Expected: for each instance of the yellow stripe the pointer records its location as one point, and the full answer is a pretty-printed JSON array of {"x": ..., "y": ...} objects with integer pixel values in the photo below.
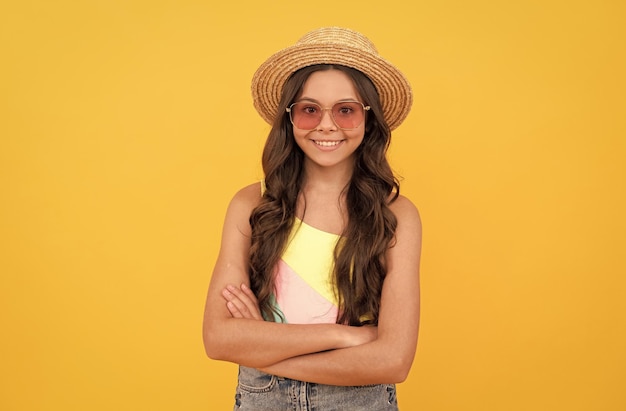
[{"x": 310, "y": 254}]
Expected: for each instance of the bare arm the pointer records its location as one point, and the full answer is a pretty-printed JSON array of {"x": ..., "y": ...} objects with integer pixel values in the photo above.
[
  {"x": 388, "y": 358},
  {"x": 247, "y": 341}
]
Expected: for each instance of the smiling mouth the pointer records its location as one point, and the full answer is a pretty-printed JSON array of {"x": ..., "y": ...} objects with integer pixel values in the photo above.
[{"x": 327, "y": 143}]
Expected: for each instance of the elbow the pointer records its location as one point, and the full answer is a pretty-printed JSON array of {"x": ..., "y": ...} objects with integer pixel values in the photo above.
[
  {"x": 211, "y": 350},
  {"x": 398, "y": 360},
  {"x": 219, "y": 349},
  {"x": 400, "y": 374},
  {"x": 398, "y": 369},
  {"x": 218, "y": 346},
  {"x": 212, "y": 346},
  {"x": 215, "y": 351}
]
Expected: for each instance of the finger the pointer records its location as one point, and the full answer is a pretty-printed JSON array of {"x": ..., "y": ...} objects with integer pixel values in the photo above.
[
  {"x": 254, "y": 303},
  {"x": 232, "y": 308},
  {"x": 247, "y": 291},
  {"x": 250, "y": 307},
  {"x": 235, "y": 305}
]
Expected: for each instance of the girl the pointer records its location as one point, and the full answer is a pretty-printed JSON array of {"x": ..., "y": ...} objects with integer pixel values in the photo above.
[{"x": 315, "y": 292}]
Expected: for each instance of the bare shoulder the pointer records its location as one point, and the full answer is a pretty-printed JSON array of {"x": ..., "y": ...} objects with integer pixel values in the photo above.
[
  {"x": 406, "y": 213},
  {"x": 246, "y": 199},
  {"x": 404, "y": 255},
  {"x": 240, "y": 208}
]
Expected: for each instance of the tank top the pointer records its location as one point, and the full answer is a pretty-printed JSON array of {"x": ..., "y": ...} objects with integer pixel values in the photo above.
[
  {"x": 303, "y": 288},
  {"x": 303, "y": 291}
]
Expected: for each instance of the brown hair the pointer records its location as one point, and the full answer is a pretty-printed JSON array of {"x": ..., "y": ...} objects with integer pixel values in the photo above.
[{"x": 360, "y": 266}]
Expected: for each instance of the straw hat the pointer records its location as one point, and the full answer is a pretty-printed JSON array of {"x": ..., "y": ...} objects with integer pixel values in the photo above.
[{"x": 332, "y": 45}]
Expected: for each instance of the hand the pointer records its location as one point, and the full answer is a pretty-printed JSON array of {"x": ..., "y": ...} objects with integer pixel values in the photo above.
[{"x": 241, "y": 302}]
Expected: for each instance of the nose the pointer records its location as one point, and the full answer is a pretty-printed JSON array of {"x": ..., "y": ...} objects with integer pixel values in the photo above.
[{"x": 327, "y": 122}]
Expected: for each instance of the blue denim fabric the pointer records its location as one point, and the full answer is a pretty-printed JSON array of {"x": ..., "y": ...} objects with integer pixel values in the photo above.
[{"x": 259, "y": 391}]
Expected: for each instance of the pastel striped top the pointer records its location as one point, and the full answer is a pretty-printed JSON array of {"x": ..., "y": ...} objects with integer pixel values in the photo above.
[{"x": 303, "y": 288}]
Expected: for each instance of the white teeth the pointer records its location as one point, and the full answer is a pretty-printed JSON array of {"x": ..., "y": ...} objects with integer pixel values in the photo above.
[{"x": 327, "y": 143}]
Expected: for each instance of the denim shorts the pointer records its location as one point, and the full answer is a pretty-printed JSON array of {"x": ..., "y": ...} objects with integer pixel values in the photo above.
[{"x": 259, "y": 391}]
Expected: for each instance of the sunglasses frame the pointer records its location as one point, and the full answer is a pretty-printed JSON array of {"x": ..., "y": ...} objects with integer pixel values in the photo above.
[{"x": 330, "y": 110}]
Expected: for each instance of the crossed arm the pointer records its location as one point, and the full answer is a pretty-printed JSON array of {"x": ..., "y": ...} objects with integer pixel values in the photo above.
[{"x": 323, "y": 353}]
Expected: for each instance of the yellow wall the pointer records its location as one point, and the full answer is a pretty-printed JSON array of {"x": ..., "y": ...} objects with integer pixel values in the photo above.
[{"x": 126, "y": 126}]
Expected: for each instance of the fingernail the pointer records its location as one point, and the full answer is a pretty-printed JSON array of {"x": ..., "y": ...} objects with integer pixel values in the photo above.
[
  {"x": 230, "y": 287},
  {"x": 244, "y": 287}
]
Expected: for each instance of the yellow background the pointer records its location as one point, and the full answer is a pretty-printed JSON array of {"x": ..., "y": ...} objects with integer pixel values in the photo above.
[{"x": 126, "y": 127}]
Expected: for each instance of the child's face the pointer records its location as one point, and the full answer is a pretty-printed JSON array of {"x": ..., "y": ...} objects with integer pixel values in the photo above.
[{"x": 328, "y": 145}]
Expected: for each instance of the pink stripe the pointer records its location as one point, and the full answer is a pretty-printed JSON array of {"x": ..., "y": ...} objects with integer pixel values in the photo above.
[{"x": 300, "y": 303}]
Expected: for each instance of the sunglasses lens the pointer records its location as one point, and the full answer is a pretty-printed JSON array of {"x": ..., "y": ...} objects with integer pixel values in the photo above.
[
  {"x": 348, "y": 114},
  {"x": 307, "y": 115}
]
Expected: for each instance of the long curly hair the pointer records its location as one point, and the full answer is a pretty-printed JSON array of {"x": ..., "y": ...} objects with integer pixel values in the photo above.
[{"x": 359, "y": 258}]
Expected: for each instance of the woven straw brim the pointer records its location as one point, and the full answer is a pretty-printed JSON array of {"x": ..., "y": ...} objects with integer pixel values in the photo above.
[{"x": 393, "y": 88}]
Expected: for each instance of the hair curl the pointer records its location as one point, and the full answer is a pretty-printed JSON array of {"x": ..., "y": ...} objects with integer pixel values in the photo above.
[{"x": 360, "y": 265}]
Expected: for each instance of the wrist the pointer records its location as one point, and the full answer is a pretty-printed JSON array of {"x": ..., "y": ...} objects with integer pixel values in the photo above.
[{"x": 346, "y": 337}]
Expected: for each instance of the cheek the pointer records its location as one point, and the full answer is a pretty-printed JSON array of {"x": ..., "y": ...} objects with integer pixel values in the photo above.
[
  {"x": 357, "y": 136},
  {"x": 298, "y": 136}
]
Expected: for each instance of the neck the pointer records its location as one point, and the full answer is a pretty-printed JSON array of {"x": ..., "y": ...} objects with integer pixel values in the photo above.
[{"x": 327, "y": 178}]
